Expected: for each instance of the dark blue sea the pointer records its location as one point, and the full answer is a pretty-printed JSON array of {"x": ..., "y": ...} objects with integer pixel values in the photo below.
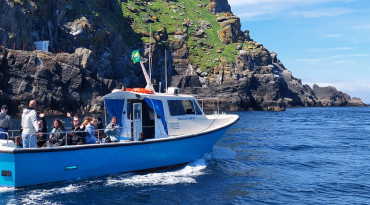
[{"x": 300, "y": 156}]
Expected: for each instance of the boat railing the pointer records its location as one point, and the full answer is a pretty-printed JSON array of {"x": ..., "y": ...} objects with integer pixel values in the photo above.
[
  {"x": 215, "y": 112},
  {"x": 64, "y": 132},
  {"x": 7, "y": 138}
]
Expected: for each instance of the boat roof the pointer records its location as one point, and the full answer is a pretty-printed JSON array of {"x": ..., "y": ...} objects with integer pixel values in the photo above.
[{"x": 133, "y": 95}]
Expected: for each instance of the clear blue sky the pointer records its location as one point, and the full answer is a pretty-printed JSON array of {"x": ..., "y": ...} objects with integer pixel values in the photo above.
[{"x": 326, "y": 42}]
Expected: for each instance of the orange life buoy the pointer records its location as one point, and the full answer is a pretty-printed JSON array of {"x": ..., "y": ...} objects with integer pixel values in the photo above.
[{"x": 140, "y": 90}]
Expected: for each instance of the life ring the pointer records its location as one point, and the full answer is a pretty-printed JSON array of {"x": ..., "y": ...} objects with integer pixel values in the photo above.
[{"x": 140, "y": 90}]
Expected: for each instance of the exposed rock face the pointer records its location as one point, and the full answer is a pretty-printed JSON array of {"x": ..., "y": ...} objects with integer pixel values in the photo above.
[
  {"x": 230, "y": 32},
  {"x": 218, "y": 6},
  {"x": 58, "y": 82},
  {"x": 330, "y": 96},
  {"x": 355, "y": 102}
]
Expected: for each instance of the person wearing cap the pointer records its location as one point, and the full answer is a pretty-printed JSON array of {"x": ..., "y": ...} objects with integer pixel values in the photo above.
[
  {"x": 6, "y": 121},
  {"x": 29, "y": 125}
]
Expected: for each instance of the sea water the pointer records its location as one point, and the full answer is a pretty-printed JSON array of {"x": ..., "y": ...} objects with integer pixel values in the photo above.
[{"x": 300, "y": 156}]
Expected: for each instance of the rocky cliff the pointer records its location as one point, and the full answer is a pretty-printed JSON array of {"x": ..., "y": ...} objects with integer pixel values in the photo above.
[{"x": 90, "y": 43}]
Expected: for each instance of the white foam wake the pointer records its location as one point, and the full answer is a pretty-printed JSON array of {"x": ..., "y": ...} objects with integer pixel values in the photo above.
[
  {"x": 38, "y": 196},
  {"x": 6, "y": 189},
  {"x": 185, "y": 175}
]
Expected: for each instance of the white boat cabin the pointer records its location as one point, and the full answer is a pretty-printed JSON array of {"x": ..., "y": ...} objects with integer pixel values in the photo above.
[{"x": 157, "y": 115}]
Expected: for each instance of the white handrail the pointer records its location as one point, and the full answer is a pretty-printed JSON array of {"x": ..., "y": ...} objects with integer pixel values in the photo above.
[
  {"x": 64, "y": 132},
  {"x": 7, "y": 139}
]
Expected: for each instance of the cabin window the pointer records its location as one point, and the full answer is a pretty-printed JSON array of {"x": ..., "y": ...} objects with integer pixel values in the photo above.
[
  {"x": 198, "y": 111},
  {"x": 137, "y": 112},
  {"x": 128, "y": 110},
  {"x": 188, "y": 106},
  {"x": 181, "y": 107}
]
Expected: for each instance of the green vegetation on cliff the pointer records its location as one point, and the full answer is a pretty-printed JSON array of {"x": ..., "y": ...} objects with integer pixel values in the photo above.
[{"x": 182, "y": 18}]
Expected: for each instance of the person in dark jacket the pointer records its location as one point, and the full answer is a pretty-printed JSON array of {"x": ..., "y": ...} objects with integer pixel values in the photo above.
[
  {"x": 6, "y": 122},
  {"x": 99, "y": 124},
  {"x": 77, "y": 136},
  {"x": 57, "y": 135},
  {"x": 43, "y": 128}
]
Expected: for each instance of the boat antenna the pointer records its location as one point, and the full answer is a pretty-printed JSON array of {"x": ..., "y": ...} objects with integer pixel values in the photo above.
[
  {"x": 150, "y": 54},
  {"x": 165, "y": 67}
]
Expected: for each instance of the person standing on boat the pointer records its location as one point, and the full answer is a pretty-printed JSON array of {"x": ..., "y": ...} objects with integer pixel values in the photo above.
[
  {"x": 90, "y": 131},
  {"x": 6, "y": 121},
  {"x": 43, "y": 128},
  {"x": 112, "y": 131},
  {"x": 57, "y": 135},
  {"x": 29, "y": 125}
]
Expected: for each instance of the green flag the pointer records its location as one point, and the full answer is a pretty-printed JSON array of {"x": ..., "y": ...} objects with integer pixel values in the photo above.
[{"x": 135, "y": 57}]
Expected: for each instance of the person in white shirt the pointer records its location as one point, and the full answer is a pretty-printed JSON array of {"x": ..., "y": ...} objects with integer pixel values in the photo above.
[{"x": 29, "y": 125}]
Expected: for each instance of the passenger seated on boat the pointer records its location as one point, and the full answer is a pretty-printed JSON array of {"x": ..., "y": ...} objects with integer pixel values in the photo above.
[
  {"x": 41, "y": 139},
  {"x": 99, "y": 129},
  {"x": 77, "y": 136},
  {"x": 90, "y": 131},
  {"x": 57, "y": 135},
  {"x": 113, "y": 131},
  {"x": 99, "y": 124}
]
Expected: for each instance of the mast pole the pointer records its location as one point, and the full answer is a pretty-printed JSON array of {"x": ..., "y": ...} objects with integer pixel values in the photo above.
[
  {"x": 165, "y": 67},
  {"x": 150, "y": 54}
]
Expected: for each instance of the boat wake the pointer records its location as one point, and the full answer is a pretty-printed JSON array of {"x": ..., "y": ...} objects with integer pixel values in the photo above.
[
  {"x": 37, "y": 196},
  {"x": 184, "y": 175}
]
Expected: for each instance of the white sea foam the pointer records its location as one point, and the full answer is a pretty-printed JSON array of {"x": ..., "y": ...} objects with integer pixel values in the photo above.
[
  {"x": 38, "y": 196},
  {"x": 6, "y": 189},
  {"x": 185, "y": 175}
]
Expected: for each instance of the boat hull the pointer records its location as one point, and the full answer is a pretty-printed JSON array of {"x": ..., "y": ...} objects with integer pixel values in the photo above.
[{"x": 38, "y": 166}]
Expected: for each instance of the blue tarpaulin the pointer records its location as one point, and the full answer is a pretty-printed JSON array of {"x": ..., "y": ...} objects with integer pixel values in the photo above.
[
  {"x": 158, "y": 108},
  {"x": 115, "y": 108}
]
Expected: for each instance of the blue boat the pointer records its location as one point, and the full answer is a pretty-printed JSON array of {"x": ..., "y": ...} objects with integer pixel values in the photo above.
[{"x": 157, "y": 130}]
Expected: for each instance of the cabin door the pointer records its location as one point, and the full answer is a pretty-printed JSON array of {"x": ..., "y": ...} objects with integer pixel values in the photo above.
[{"x": 137, "y": 125}]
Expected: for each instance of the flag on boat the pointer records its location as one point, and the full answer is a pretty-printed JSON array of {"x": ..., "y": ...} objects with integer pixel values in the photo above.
[{"x": 135, "y": 57}]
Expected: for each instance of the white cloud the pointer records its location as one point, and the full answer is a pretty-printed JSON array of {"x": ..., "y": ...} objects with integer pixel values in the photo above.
[
  {"x": 333, "y": 36},
  {"x": 268, "y": 9},
  {"x": 328, "y": 49},
  {"x": 363, "y": 27},
  {"x": 310, "y": 60},
  {"x": 338, "y": 62},
  {"x": 327, "y": 12},
  {"x": 351, "y": 55}
]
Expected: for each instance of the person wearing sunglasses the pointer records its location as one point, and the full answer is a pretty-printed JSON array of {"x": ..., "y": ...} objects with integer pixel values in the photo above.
[
  {"x": 77, "y": 135},
  {"x": 6, "y": 121}
]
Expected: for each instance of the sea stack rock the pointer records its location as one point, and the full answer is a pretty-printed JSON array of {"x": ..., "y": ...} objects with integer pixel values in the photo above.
[{"x": 330, "y": 96}]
